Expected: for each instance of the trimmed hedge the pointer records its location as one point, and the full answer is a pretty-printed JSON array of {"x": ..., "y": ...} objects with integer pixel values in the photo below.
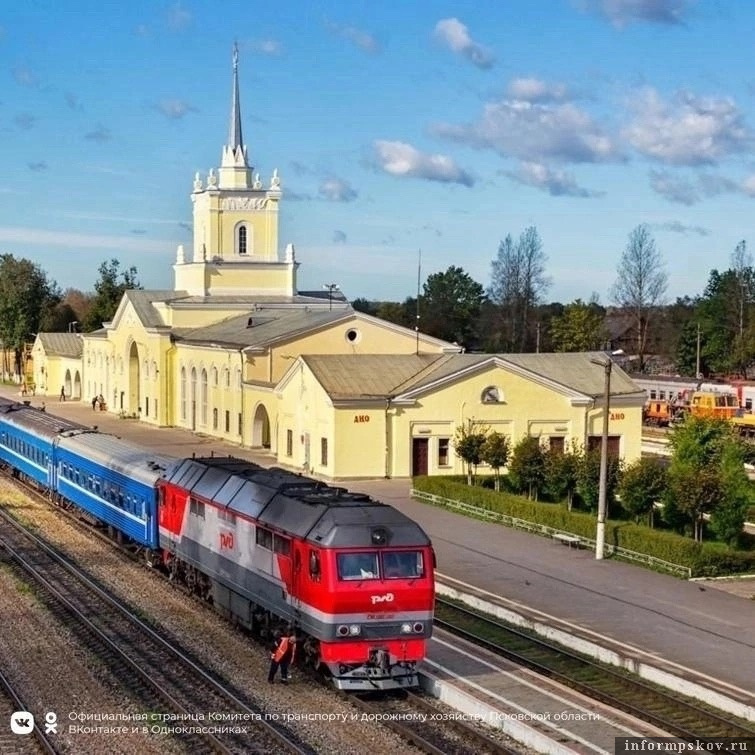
[{"x": 704, "y": 559}]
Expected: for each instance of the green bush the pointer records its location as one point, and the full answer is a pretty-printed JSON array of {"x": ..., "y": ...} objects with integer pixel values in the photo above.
[{"x": 704, "y": 559}]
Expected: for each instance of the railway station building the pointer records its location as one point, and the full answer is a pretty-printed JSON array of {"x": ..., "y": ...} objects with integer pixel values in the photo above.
[{"x": 236, "y": 351}]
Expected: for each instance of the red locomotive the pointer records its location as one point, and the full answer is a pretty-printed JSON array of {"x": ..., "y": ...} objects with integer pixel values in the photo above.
[{"x": 354, "y": 576}]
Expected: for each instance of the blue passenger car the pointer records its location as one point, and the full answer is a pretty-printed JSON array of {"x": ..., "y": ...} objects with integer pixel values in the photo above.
[
  {"x": 27, "y": 440},
  {"x": 113, "y": 481}
]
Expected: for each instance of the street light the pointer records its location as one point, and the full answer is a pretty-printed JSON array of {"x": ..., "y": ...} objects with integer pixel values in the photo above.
[
  {"x": 72, "y": 326},
  {"x": 600, "y": 535},
  {"x": 330, "y": 288}
]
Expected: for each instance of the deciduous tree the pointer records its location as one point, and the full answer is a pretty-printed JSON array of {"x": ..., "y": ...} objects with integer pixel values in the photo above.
[
  {"x": 642, "y": 485},
  {"x": 518, "y": 282},
  {"x": 527, "y": 467},
  {"x": 579, "y": 328},
  {"x": 469, "y": 440},
  {"x": 26, "y": 294},
  {"x": 109, "y": 290},
  {"x": 641, "y": 284},
  {"x": 495, "y": 453},
  {"x": 450, "y": 306}
]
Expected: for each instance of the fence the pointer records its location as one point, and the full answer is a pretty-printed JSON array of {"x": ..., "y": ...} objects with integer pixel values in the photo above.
[{"x": 546, "y": 531}]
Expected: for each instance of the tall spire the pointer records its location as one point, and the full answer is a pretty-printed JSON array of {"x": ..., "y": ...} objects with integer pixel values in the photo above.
[
  {"x": 235, "y": 138},
  {"x": 235, "y": 171}
]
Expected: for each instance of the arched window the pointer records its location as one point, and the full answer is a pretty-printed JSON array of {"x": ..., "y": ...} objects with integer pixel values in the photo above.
[
  {"x": 242, "y": 239},
  {"x": 238, "y": 378},
  {"x": 215, "y": 376},
  {"x": 227, "y": 378},
  {"x": 146, "y": 370},
  {"x": 183, "y": 393},
  {"x": 492, "y": 395},
  {"x": 203, "y": 398},
  {"x": 154, "y": 370}
]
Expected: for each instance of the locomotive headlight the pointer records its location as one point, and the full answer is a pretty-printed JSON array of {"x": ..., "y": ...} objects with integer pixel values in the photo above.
[
  {"x": 419, "y": 627},
  {"x": 406, "y": 629},
  {"x": 342, "y": 630},
  {"x": 355, "y": 629}
]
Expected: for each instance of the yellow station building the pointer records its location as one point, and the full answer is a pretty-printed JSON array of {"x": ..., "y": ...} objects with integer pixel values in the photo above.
[{"x": 237, "y": 352}]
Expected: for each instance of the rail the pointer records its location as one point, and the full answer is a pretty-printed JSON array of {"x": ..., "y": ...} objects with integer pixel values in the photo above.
[{"x": 556, "y": 534}]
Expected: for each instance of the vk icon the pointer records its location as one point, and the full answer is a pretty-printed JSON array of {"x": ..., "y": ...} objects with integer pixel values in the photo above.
[{"x": 22, "y": 722}]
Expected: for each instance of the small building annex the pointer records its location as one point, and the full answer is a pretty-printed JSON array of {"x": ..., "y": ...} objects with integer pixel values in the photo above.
[{"x": 395, "y": 416}]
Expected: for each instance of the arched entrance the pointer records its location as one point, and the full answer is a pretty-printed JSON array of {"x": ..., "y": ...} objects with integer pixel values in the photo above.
[
  {"x": 261, "y": 428},
  {"x": 77, "y": 386},
  {"x": 67, "y": 386},
  {"x": 134, "y": 377}
]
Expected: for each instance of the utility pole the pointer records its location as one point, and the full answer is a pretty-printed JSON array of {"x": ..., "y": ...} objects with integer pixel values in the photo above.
[
  {"x": 600, "y": 536},
  {"x": 697, "y": 358}
]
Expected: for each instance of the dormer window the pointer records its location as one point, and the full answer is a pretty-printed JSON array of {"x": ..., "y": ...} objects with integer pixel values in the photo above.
[
  {"x": 492, "y": 395},
  {"x": 242, "y": 239}
]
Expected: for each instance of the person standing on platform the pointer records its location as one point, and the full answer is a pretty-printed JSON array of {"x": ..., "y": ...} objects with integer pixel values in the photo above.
[{"x": 63, "y": 393}]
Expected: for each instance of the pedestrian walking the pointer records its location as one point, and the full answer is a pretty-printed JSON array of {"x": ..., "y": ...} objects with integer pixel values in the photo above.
[
  {"x": 63, "y": 393},
  {"x": 282, "y": 655},
  {"x": 94, "y": 404}
]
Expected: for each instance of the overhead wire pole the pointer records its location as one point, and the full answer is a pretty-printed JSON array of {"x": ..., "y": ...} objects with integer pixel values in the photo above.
[{"x": 416, "y": 323}]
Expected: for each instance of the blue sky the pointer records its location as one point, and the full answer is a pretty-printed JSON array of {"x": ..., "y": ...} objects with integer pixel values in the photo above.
[{"x": 395, "y": 127}]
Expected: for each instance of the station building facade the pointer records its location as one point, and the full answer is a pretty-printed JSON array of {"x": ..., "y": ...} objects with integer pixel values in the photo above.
[{"x": 234, "y": 350}]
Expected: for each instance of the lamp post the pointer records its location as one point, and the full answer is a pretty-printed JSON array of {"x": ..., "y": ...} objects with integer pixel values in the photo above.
[
  {"x": 600, "y": 535},
  {"x": 330, "y": 288}
]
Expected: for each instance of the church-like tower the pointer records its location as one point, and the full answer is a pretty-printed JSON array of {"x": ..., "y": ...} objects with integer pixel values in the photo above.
[{"x": 235, "y": 250}]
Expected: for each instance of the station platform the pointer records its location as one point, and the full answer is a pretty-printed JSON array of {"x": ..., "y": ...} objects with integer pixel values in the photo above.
[{"x": 692, "y": 628}]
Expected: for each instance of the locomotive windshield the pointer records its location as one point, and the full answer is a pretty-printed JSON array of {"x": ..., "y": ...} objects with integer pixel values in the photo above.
[
  {"x": 402, "y": 564},
  {"x": 391, "y": 565},
  {"x": 357, "y": 565}
]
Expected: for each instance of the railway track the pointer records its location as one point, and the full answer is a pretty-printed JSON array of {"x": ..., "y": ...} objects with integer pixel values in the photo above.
[
  {"x": 675, "y": 714},
  {"x": 184, "y": 701},
  {"x": 33, "y": 743},
  {"x": 424, "y": 725}
]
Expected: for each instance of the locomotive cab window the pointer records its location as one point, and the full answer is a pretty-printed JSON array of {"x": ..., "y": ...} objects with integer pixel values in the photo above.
[
  {"x": 357, "y": 566},
  {"x": 264, "y": 538},
  {"x": 403, "y": 565},
  {"x": 314, "y": 564},
  {"x": 282, "y": 545}
]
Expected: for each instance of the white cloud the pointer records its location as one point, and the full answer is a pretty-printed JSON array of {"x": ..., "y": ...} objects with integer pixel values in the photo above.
[
  {"x": 25, "y": 77},
  {"x": 748, "y": 185},
  {"x": 401, "y": 159},
  {"x": 337, "y": 190},
  {"x": 691, "y": 130},
  {"x": 174, "y": 109},
  {"x": 675, "y": 226},
  {"x": 691, "y": 190},
  {"x": 555, "y": 182},
  {"x": 99, "y": 134},
  {"x": 455, "y": 35},
  {"x": 536, "y": 133},
  {"x": 536, "y": 90},
  {"x": 178, "y": 17},
  {"x": 623, "y": 12},
  {"x": 362, "y": 39},
  {"x": 39, "y": 237},
  {"x": 674, "y": 188},
  {"x": 25, "y": 121},
  {"x": 269, "y": 47}
]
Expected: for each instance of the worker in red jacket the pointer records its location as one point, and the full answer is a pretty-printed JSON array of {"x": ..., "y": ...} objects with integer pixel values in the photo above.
[{"x": 282, "y": 655}]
